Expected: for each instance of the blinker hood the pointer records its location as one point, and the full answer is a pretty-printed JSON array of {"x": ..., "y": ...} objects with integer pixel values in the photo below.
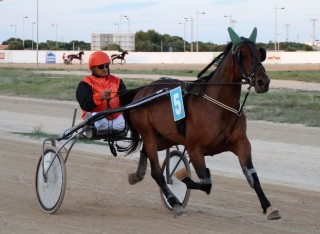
[{"x": 236, "y": 40}]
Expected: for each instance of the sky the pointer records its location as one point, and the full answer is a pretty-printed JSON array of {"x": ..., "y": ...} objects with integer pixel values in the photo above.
[{"x": 69, "y": 20}]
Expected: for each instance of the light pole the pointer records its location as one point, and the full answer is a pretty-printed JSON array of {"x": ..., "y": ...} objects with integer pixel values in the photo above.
[
  {"x": 191, "y": 42},
  {"x": 23, "y": 17},
  {"x": 313, "y": 20},
  {"x": 56, "y": 25},
  {"x": 275, "y": 25},
  {"x": 230, "y": 19},
  {"x": 120, "y": 21},
  {"x": 184, "y": 36},
  {"x": 233, "y": 24},
  {"x": 15, "y": 31},
  {"x": 287, "y": 31},
  {"x": 37, "y": 34},
  {"x": 32, "y": 34},
  {"x": 117, "y": 24},
  {"x": 128, "y": 18},
  {"x": 201, "y": 13}
]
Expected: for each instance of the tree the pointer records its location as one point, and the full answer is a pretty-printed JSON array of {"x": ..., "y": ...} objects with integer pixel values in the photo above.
[
  {"x": 28, "y": 44},
  {"x": 112, "y": 47},
  {"x": 15, "y": 45},
  {"x": 148, "y": 41},
  {"x": 10, "y": 40}
]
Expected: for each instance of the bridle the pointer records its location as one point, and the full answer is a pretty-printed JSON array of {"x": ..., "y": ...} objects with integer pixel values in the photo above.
[{"x": 250, "y": 77}]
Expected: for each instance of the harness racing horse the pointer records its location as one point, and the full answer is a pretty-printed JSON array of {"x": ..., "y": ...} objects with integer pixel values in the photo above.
[
  {"x": 76, "y": 56},
  {"x": 119, "y": 56},
  {"x": 214, "y": 121}
]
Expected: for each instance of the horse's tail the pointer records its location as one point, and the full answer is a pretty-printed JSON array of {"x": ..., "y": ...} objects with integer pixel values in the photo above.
[
  {"x": 135, "y": 141},
  {"x": 126, "y": 98}
]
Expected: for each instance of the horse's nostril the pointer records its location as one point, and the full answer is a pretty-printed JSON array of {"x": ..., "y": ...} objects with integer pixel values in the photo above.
[
  {"x": 263, "y": 83},
  {"x": 260, "y": 83}
]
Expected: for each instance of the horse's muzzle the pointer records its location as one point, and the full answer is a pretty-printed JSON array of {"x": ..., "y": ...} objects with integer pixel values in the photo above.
[{"x": 262, "y": 84}]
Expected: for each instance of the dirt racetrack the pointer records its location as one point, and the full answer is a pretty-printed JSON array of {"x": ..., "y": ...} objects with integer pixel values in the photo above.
[{"x": 99, "y": 199}]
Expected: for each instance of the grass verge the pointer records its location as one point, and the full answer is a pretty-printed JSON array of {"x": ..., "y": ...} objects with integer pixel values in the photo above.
[{"x": 278, "y": 105}]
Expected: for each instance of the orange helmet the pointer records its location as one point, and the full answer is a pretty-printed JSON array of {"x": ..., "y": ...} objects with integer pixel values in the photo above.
[{"x": 98, "y": 58}]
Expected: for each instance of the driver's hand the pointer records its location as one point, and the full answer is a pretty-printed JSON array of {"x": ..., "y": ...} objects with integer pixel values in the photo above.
[{"x": 105, "y": 94}]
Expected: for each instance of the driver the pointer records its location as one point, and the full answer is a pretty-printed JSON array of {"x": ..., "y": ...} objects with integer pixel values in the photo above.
[{"x": 99, "y": 92}]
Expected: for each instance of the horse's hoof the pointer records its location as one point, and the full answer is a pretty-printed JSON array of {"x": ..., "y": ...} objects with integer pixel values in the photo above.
[
  {"x": 181, "y": 174},
  {"x": 273, "y": 213},
  {"x": 178, "y": 211},
  {"x": 132, "y": 179}
]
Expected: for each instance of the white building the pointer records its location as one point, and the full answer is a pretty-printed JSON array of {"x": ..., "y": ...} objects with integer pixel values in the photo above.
[{"x": 126, "y": 41}]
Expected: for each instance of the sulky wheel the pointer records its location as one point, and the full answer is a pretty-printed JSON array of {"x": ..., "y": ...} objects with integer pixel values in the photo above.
[
  {"x": 178, "y": 163},
  {"x": 50, "y": 188}
]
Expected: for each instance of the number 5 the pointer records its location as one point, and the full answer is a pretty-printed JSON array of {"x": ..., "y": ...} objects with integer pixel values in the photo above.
[{"x": 177, "y": 103}]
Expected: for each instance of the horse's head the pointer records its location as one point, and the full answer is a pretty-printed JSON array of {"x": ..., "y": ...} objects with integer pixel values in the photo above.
[
  {"x": 248, "y": 58},
  {"x": 125, "y": 52}
]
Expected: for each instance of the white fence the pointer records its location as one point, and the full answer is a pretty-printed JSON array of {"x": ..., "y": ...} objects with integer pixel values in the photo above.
[{"x": 30, "y": 56}]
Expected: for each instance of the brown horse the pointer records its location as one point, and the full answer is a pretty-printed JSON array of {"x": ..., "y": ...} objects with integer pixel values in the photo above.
[
  {"x": 76, "y": 56},
  {"x": 119, "y": 56},
  {"x": 214, "y": 121}
]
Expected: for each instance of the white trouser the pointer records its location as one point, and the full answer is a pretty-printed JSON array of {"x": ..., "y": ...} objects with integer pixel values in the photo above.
[{"x": 105, "y": 124}]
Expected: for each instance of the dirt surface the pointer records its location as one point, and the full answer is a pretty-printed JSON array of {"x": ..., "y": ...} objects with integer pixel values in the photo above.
[{"x": 99, "y": 199}]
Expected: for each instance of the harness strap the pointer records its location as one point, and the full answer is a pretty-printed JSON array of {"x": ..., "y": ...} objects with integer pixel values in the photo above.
[
  {"x": 238, "y": 116},
  {"x": 209, "y": 65},
  {"x": 221, "y": 104}
]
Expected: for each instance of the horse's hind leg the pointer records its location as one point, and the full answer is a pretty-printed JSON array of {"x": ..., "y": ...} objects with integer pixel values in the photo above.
[
  {"x": 156, "y": 173},
  {"x": 244, "y": 154},
  {"x": 141, "y": 170}
]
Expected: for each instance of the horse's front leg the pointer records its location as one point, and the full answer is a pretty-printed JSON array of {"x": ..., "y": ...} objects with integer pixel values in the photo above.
[
  {"x": 157, "y": 175},
  {"x": 243, "y": 151}
]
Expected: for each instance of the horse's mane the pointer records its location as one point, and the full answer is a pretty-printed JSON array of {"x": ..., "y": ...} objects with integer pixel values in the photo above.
[{"x": 219, "y": 62}]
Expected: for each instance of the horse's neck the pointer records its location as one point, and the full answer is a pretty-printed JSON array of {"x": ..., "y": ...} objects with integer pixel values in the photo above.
[{"x": 225, "y": 85}]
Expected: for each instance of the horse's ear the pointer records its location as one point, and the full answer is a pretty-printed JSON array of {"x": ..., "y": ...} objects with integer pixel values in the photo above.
[
  {"x": 253, "y": 36},
  {"x": 236, "y": 40}
]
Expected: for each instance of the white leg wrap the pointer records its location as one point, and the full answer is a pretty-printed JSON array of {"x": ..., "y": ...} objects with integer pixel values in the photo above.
[{"x": 248, "y": 173}]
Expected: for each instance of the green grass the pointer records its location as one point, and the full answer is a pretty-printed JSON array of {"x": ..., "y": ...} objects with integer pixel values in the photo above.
[
  {"x": 277, "y": 105},
  {"x": 306, "y": 76},
  {"x": 26, "y": 83},
  {"x": 285, "y": 106},
  {"x": 190, "y": 73},
  {"x": 39, "y": 133}
]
